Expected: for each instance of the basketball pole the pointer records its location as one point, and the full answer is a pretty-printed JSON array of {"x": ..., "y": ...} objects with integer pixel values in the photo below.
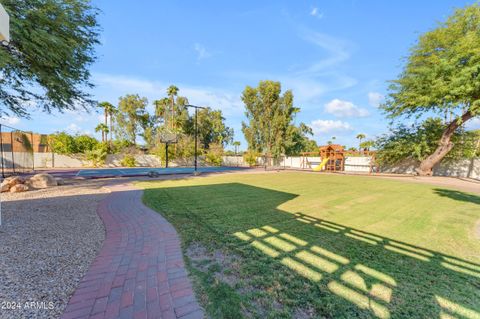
[
  {"x": 196, "y": 133},
  {"x": 166, "y": 155}
]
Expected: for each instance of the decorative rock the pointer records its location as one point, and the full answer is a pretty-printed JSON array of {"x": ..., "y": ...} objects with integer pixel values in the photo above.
[
  {"x": 5, "y": 187},
  {"x": 13, "y": 180},
  {"x": 42, "y": 181},
  {"x": 19, "y": 188},
  {"x": 60, "y": 181}
]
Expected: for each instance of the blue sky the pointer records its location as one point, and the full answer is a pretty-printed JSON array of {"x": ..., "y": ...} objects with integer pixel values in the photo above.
[{"x": 336, "y": 56}]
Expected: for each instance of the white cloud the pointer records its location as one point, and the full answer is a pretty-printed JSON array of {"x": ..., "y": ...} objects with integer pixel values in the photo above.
[
  {"x": 473, "y": 124},
  {"x": 78, "y": 115},
  {"x": 202, "y": 52},
  {"x": 316, "y": 13},
  {"x": 118, "y": 85},
  {"x": 227, "y": 102},
  {"x": 311, "y": 81},
  {"x": 73, "y": 128},
  {"x": 9, "y": 120},
  {"x": 125, "y": 83},
  {"x": 375, "y": 98},
  {"x": 340, "y": 108},
  {"x": 101, "y": 118},
  {"x": 329, "y": 126},
  {"x": 337, "y": 51}
]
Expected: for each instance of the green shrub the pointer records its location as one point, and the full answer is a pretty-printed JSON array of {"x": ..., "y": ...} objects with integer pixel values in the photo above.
[
  {"x": 85, "y": 143},
  {"x": 62, "y": 143},
  {"x": 98, "y": 155},
  {"x": 250, "y": 157},
  {"x": 119, "y": 146},
  {"x": 128, "y": 161},
  {"x": 214, "y": 154}
]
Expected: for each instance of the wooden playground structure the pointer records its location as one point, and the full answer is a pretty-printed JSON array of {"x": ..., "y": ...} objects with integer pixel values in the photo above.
[{"x": 333, "y": 158}]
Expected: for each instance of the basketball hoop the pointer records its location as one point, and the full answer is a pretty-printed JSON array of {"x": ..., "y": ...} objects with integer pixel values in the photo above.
[{"x": 168, "y": 138}]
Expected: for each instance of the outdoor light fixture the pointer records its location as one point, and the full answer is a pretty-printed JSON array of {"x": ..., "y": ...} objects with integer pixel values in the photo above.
[{"x": 196, "y": 130}]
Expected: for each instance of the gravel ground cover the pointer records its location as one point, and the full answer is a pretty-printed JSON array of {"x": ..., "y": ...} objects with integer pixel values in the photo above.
[{"x": 48, "y": 239}]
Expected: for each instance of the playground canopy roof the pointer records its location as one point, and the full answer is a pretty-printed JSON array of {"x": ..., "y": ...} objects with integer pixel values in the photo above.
[{"x": 333, "y": 147}]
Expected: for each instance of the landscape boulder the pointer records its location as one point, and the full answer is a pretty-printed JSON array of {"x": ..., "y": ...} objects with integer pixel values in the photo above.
[
  {"x": 5, "y": 187},
  {"x": 11, "y": 181},
  {"x": 42, "y": 181},
  {"x": 18, "y": 188}
]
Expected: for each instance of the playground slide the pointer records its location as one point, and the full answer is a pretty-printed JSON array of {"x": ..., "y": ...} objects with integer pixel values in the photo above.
[{"x": 319, "y": 167}]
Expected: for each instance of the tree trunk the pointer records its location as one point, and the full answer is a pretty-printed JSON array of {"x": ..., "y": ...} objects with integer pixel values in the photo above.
[
  {"x": 111, "y": 130},
  {"x": 444, "y": 146},
  {"x": 106, "y": 125}
]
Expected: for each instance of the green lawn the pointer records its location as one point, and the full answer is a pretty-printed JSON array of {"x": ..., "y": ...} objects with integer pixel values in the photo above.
[{"x": 296, "y": 245}]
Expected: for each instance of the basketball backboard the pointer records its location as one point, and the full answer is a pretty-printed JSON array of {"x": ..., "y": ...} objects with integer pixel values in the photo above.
[
  {"x": 4, "y": 25},
  {"x": 168, "y": 137}
]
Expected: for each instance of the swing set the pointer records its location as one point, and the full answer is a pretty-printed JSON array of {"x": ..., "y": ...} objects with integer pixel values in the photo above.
[{"x": 333, "y": 158}]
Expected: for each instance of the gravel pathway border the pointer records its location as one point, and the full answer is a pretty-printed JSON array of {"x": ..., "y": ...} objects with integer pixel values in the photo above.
[{"x": 48, "y": 240}]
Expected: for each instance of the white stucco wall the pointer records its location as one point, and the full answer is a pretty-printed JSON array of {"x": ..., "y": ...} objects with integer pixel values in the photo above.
[
  {"x": 462, "y": 168},
  {"x": 357, "y": 164}
]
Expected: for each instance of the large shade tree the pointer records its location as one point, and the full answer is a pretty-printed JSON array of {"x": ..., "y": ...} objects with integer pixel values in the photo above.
[
  {"x": 416, "y": 142},
  {"x": 52, "y": 46},
  {"x": 298, "y": 140},
  {"x": 269, "y": 114},
  {"x": 131, "y": 117},
  {"x": 211, "y": 128},
  {"x": 441, "y": 75}
]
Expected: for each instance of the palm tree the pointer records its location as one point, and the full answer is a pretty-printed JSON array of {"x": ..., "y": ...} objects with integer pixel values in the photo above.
[
  {"x": 161, "y": 109},
  {"x": 172, "y": 92},
  {"x": 104, "y": 129},
  {"x": 111, "y": 112},
  {"x": 107, "y": 109},
  {"x": 367, "y": 145},
  {"x": 360, "y": 137},
  {"x": 236, "y": 144}
]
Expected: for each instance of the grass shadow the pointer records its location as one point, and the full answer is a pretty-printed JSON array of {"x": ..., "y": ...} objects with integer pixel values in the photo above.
[
  {"x": 298, "y": 266},
  {"x": 458, "y": 195}
]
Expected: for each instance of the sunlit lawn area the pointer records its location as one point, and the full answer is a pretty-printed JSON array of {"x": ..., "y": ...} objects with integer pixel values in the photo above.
[{"x": 299, "y": 245}]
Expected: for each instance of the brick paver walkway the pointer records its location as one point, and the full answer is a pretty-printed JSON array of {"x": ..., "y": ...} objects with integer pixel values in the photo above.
[{"x": 139, "y": 272}]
